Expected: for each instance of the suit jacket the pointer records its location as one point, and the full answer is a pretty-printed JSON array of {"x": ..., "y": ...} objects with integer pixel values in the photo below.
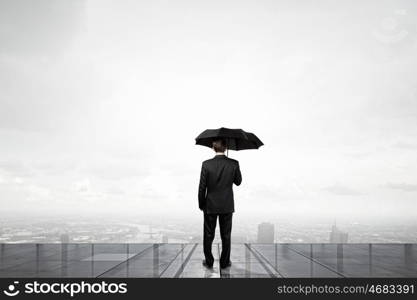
[{"x": 215, "y": 193}]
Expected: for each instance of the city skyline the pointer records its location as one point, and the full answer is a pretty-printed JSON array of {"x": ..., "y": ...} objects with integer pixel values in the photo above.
[{"x": 108, "y": 229}]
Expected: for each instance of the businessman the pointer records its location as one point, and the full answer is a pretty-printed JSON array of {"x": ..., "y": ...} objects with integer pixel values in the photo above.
[{"x": 215, "y": 198}]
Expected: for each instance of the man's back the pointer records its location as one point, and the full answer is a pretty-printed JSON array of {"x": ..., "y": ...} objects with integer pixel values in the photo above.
[{"x": 215, "y": 193}]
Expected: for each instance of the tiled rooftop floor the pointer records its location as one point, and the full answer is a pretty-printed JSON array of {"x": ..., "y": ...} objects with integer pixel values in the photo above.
[{"x": 185, "y": 260}]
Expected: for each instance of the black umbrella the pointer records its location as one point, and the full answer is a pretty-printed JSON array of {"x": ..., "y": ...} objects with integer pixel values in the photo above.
[{"x": 236, "y": 139}]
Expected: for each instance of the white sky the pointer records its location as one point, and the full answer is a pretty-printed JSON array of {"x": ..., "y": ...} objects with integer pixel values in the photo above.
[{"x": 100, "y": 102}]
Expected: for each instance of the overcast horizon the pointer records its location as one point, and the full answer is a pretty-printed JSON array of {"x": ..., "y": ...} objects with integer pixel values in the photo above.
[{"x": 100, "y": 102}]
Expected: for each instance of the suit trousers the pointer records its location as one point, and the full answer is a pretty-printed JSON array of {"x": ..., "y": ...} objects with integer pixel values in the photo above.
[{"x": 225, "y": 222}]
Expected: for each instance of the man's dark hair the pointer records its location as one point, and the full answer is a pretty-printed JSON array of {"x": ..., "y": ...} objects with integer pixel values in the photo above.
[{"x": 219, "y": 145}]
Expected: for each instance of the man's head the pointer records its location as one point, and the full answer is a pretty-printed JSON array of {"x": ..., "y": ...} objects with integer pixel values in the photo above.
[{"x": 219, "y": 145}]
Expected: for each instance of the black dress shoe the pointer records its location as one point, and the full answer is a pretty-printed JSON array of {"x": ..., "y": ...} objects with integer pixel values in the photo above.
[
  {"x": 207, "y": 265},
  {"x": 229, "y": 264}
]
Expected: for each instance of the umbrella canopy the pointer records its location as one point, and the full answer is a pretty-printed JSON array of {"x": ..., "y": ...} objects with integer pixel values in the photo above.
[{"x": 236, "y": 139}]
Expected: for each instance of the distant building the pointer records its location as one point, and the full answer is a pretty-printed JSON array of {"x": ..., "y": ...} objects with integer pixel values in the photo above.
[
  {"x": 338, "y": 236},
  {"x": 65, "y": 239},
  {"x": 266, "y": 233}
]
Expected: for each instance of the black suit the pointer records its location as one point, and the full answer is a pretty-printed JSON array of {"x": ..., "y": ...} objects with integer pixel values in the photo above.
[{"x": 215, "y": 198}]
